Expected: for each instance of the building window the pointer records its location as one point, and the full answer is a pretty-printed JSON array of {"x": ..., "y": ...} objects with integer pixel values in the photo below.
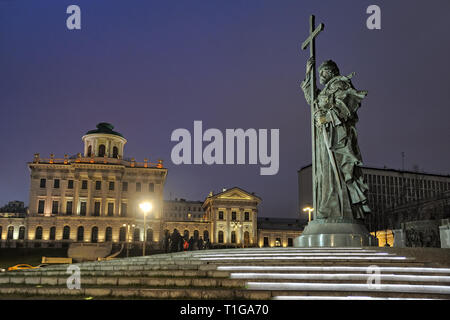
[
  {"x": 10, "y": 234},
  {"x": 108, "y": 234},
  {"x": 290, "y": 242},
  {"x": 151, "y": 187},
  {"x": 84, "y": 184},
  {"x": 220, "y": 237},
  {"x": 115, "y": 152},
  {"x": 122, "y": 234},
  {"x": 98, "y": 185},
  {"x": 42, "y": 183},
  {"x": 55, "y": 205},
  {"x": 246, "y": 238},
  {"x": 266, "y": 242},
  {"x": 52, "y": 233},
  {"x": 56, "y": 183},
  {"x": 69, "y": 207},
  {"x": 101, "y": 150},
  {"x": 233, "y": 216},
  {"x": 38, "y": 233},
  {"x": 149, "y": 235},
  {"x": 278, "y": 242},
  {"x": 94, "y": 235},
  {"x": 125, "y": 186},
  {"x": 110, "y": 209},
  {"x": 247, "y": 216},
  {"x": 41, "y": 206},
  {"x": 220, "y": 215},
  {"x": 233, "y": 236},
  {"x": 96, "y": 208},
  {"x": 123, "y": 210},
  {"x": 138, "y": 187},
  {"x": 136, "y": 234},
  {"x": 70, "y": 184},
  {"x": 205, "y": 235},
  {"x": 89, "y": 152},
  {"x": 1, "y": 230},
  {"x": 80, "y": 233},
  {"x": 111, "y": 185},
  {"x": 82, "y": 208},
  {"x": 21, "y": 233},
  {"x": 66, "y": 233}
]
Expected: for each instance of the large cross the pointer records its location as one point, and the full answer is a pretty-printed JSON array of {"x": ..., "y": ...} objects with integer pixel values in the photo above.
[{"x": 310, "y": 41}]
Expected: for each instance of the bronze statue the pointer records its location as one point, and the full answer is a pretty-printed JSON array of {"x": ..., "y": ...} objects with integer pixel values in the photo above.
[
  {"x": 339, "y": 192},
  {"x": 340, "y": 189}
]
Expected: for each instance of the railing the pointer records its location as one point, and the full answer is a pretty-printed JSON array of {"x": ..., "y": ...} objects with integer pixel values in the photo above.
[{"x": 98, "y": 160}]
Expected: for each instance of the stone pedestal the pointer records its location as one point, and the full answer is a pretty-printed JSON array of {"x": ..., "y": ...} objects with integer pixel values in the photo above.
[
  {"x": 399, "y": 238},
  {"x": 80, "y": 251},
  {"x": 335, "y": 233},
  {"x": 444, "y": 232}
]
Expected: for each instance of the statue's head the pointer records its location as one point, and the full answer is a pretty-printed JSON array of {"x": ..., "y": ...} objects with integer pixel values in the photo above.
[{"x": 327, "y": 71}]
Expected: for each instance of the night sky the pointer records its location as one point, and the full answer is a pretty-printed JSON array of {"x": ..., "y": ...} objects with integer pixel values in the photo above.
[{"x": 150, "y": 67}]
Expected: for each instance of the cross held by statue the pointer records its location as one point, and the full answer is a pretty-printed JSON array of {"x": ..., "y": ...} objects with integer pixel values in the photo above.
[{"x": 310, "y": 41}]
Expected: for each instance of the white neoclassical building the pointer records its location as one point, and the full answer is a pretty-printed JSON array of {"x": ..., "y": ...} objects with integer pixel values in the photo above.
[
  {"x": 94, "y": 197},
  {"x": 90, "y": 197}
]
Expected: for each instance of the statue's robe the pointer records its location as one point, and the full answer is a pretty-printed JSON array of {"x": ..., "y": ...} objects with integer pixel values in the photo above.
[{"x": 338, "y": 103}]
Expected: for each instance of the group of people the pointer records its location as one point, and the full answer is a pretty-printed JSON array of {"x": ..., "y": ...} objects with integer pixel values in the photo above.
[{"x": 176, "y": 242}]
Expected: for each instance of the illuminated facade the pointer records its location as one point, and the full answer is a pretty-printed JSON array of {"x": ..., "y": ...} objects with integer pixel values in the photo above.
[
  {"x": 278, "y": 232},
  {"x": 233, "y": 215},
  {"x": 90, "y": 197},
  {"x": 94, "y": 197}
]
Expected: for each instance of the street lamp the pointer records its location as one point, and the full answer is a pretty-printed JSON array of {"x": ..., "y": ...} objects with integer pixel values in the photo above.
[
  {"x": 146, "y": 207},
  {"x": 309, "y": 209}
]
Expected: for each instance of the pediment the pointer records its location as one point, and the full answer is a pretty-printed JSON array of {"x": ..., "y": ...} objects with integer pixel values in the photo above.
[{"x": 236, "y": 194}]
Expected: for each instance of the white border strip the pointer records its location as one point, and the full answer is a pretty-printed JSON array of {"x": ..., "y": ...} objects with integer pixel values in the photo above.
[
  {"x": 332, "y": 269},
  {"x": 343, "y": 298},
  {"x": 338, "y": 276},
  {"x": 355, "y": 287}
]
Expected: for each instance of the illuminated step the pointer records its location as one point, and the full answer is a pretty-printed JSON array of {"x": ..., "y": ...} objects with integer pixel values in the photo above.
[
  {"x": 256, "y": 250},
  {"x": 339, "y": 276},
  {"x": 287, "y": 254},
  {"x": 283, "y": 251},
  {"x": 297, "y": 257},
  {"x": 355, "y": 287},
  {"x": 333, "y": 269},
  {"x": 343, "y": 298}
]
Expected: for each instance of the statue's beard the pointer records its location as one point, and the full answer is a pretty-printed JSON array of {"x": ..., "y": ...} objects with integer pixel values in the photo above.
[{"x": 323, "y": 81}]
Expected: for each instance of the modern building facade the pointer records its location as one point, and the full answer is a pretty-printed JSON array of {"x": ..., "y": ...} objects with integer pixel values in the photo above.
[{"x": 389, "y": 189}]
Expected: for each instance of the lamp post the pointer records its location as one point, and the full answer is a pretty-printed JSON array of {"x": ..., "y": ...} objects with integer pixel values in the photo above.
[
  {"x": 145, "y": 207},
  {"x": 309, "y": 209},
  {"x": 236, "y": 225}
]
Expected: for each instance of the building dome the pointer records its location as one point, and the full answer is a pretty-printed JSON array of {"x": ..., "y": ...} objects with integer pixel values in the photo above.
[
  {"x": 104, "y": 142},
  {"x": 105, "y": 127}
]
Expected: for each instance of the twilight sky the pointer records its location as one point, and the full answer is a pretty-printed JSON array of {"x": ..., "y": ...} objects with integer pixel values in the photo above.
[{"x": 150, "y": 67}]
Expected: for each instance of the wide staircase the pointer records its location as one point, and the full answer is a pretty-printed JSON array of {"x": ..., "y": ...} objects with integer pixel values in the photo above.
[{"x": 250, "y": 273}]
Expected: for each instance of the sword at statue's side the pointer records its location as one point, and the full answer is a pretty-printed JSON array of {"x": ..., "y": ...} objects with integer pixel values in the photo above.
[{"x": 310, "y": 41}]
